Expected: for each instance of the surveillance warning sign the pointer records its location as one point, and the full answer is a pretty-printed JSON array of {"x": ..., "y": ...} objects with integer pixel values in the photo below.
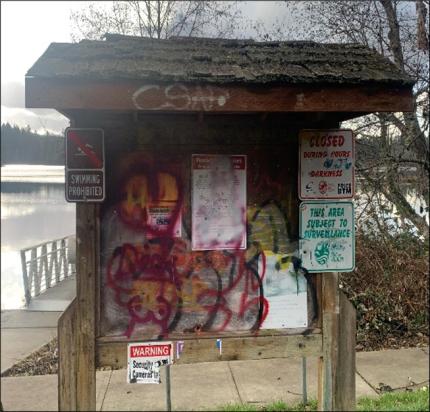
[
  {"x": 145, "y": 360},
  {"x": 85, "y": 165},
  {"x": 326, "y": 164},
  {"x": 327, "y": 237}
]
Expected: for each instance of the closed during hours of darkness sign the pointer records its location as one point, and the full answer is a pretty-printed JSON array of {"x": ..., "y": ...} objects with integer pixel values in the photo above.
[
  {"x": 327, "y": 236},
  {"x": 85, "y": 165},
  {"x": 326, "y": 164}
]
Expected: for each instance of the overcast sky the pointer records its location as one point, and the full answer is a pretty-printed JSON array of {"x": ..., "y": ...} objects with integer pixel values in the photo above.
[{"x": 27, "y": 29}]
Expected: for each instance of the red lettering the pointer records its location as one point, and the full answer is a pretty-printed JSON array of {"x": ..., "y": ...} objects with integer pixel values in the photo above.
[
  {"x": 149, "y": 351},
  {"x": 326, "y": 141},
  {"x": 342, "y": 153}
]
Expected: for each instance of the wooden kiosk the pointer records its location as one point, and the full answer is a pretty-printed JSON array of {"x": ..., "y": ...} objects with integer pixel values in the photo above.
[{"x": 140, "y": 275}]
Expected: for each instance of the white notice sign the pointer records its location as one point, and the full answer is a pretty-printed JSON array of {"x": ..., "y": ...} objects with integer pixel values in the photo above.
[
  {"x": 327, "y": 237},
  {"x": 218, "y": 202},
  {"x": 144, "y": 361},
  {"x": 285, "y": 291},
  {"x": 326, "y": 164}
]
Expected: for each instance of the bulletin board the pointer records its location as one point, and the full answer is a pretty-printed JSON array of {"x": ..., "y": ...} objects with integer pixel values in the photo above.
[{"x": 156, "y": 285}]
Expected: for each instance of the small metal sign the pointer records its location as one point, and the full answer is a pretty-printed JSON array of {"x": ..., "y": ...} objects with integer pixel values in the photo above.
[
  {"x": 326, "y": 164},
  {"x": 85, "y": 161},
  {"x": 327, "y": 236},
  {"x": 144, "y": 360}
]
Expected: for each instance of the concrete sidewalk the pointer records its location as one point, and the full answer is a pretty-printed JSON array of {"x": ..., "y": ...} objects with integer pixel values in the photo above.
[
  {"x": 23, "y": 332},
  {"x": 194, "y": 387},
  {"x": 209, "y": 385}
]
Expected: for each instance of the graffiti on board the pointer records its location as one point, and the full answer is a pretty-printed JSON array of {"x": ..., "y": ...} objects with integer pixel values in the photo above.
[
  {"x": 156, "y": 285},
  {"x": 179, "y": 96}
]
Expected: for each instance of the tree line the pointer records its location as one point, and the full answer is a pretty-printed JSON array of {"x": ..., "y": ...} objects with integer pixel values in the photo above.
[{"x": 23, "y": 146}]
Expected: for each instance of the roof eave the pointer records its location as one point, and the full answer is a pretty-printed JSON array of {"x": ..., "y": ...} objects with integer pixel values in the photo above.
[{"x": 92, "y": 94}]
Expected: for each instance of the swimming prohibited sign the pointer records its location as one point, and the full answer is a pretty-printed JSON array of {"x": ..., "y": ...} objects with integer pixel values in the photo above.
[
  {"x": 85, "y": 165},
  {"x": 327, "y": 237},
  {"x": 144, "y": 361},
  {"x": 326, "y": 164}
]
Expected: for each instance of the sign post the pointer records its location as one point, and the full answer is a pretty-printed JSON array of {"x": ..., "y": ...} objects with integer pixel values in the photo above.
[{"x": 85, "y": 162}]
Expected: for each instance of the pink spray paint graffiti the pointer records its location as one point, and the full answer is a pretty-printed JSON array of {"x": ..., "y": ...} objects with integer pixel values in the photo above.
[
  {"x": 155, "y": 284},
  {"x": 163, "y": 286}
]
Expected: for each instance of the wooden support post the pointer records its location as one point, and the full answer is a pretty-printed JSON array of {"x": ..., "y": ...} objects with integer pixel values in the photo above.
[
  {"x": 345, "y": 377},
  {"x": 67, "y": 359},
  {"x": 336, "y": 368},
  {"x": 328, "y": 364},
  {"x": 87, "y": 264}
]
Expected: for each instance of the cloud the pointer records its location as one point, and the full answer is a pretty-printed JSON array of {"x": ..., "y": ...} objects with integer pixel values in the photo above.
[
  {"x": 12, "y": 94},
  {"x": 13, "y": 111},
  {"x": 39, "y": 120}
]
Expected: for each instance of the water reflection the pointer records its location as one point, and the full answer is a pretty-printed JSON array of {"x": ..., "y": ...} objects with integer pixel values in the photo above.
[{"x": 31, "y": 213}]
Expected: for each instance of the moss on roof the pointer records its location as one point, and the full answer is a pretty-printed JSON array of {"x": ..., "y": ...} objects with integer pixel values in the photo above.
[{"x": 216, "y": 61}]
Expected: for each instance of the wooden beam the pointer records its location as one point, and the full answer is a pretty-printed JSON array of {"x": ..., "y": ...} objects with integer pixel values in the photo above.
[
  {"x": 330, "y": 319},
  {"x": 345, "y": 376},
  {"x": 114, "y": 354},
  {"x": 87, "y": 232},
  {"x": 67, "y": 369},
  {"x": 181, "y": 97}
]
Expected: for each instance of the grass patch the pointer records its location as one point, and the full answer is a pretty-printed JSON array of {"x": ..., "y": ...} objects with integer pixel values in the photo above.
[
  {"x": 274, "y": 406},
  {"x": 395, "y": 401}
]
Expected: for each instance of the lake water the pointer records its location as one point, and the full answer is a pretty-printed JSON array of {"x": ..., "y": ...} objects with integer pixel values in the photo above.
[{"x": 33, "y": 210}]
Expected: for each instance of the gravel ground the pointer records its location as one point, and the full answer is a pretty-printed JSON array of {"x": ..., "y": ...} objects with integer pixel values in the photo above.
[{"x": 42, "y": 362}]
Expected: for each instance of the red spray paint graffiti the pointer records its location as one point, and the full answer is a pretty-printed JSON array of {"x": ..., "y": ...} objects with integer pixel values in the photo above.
[
  {"x": 155, "y": 284},
  {"x": 164, "y": 286}
]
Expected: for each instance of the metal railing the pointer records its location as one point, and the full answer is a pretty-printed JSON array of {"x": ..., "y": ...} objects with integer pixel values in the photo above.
[{"x": 46, "y": 265}]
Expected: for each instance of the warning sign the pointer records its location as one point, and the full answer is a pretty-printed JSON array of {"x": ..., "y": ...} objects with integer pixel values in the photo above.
[
  {"x": 327, "y": 237},
  {"x": 160, "y": 218},
  {"x": 326, "y": 164},
  {"x": 84, "y": 165},
  {"x": 144, "y": 361}
]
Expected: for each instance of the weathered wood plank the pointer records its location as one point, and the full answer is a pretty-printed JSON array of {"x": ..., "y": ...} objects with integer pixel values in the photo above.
[
  {"x": 345, "y": 377},
  {"x": 67, "y": 359},
  {"x": 114, "y": 354},
  {"x": 318, "y": 290},
  {"x": 86, "y": 270},
  {"x": 212, "y": 335},
  {"x": 97, "y": 295},
  {"x": 176, "y": 97},
  {"x": 320, "y": 367},
  {"x": 330, "y": 315}
]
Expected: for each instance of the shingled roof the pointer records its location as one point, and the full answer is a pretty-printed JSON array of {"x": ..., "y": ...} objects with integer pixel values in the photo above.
[{"x": 216, "y": 61}]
